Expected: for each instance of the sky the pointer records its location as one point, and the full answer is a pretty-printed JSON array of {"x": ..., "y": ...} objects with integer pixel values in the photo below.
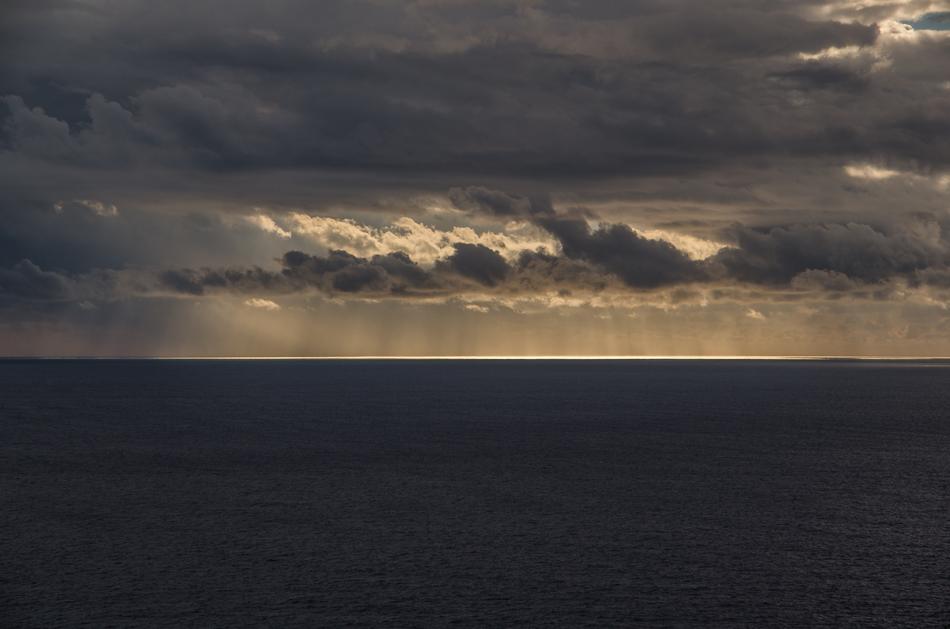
[{"x": 457, "y": 177}]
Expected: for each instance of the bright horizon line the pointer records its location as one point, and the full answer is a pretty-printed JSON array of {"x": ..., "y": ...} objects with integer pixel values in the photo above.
[{"x": 476, "y": 357}]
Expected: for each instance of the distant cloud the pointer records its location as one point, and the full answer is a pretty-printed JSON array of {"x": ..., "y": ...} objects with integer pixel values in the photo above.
[
  {"x": 869, "y": 171},
  {"x": 263, "y": 304},
  {"x": 105, "y": 210}
]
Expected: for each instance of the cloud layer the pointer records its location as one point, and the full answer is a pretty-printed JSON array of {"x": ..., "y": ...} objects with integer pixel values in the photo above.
[{"x": 679, "y": 155}]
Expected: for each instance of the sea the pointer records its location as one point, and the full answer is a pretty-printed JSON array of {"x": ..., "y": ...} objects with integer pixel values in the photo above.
[{"x": 474, "y": 493}]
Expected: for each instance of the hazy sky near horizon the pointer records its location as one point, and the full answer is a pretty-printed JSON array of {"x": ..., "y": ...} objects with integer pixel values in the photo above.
[{"x": 375, "y": 177}]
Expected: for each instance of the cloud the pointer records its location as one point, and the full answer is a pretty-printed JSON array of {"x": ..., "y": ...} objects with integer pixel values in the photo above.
[
  {"x": 99, "y": 208},
  {"x": 339, "y": 272},
  {"x": 497, "y": 203},
  {"x": 824, "y": 259},
  {"x": 267, "y": 224},
  {"x": 423, "y": 243},
  {"x": 860, "y": 252},
  {"x": 477, "y": 262},
  {"x": 869, "y": 171},
  {"x": 224, "y": 99},
  {"x": 640, "y": 262},
  {"x": 263, "y": 304},
  {"x": 29, "y": 282}
]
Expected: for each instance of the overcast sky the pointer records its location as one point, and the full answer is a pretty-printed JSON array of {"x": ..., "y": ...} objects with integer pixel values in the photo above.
[{"x": 375, "y": 177}]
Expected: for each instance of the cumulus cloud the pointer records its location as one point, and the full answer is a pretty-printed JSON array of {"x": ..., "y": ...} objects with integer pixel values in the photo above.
[{"x": 640, "y": 262}]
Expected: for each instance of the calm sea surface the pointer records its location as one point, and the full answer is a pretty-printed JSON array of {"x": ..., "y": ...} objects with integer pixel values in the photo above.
[{"x": 474, "y": 493}]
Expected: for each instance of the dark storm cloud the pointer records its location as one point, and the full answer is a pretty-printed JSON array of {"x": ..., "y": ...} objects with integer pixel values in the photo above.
[
  {"x": 477, "y": 262},
  {"x": 640, "y": 262},
  {"x": 381, "y": 86}
]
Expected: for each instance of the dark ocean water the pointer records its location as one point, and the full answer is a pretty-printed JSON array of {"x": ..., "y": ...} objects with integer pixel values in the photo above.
[{"x": 469, "y": 493}]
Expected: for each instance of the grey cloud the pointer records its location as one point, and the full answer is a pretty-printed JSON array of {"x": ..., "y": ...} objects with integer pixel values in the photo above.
[
  {"x": 816, "y": 75},
  {"x": 32, "y": 132},
  {"x": 183, "y": 281},
  {"x": 708, "y": 28},
  {"x": 538, "y": 271},
  {"x": 341, "y": 271},
  {"x": 29, "y": 282},
  {"x": 404, "y": 272},
  {"x": 640, "y": 262},
  {"x": 498, "y": 203},
  {"x": 477, "y": 262},
  {"x": 360, "y": 277},
  {"x": 337, "y": 272},
  {"x": 860, "y": 252},
  {"x": 252, "y": 92}
]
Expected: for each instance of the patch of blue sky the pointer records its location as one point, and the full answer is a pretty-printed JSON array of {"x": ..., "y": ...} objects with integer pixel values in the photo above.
[{"x": 931, "y": 22}]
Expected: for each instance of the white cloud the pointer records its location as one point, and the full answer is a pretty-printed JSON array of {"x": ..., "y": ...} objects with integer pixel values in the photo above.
[
  {"x": 96, "y": 207},
  {"x": 695, "y": 248},
  {"x": 426, "y": 244},
  {"x": 266, "y": 223},
  {"x": 869, "y": 171},
  {"x": 878, "y": 173},
  {"x": 423, "y": 243},
  {"x": 897, "y": 42},
  {"x": 263, "y": 304}
]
